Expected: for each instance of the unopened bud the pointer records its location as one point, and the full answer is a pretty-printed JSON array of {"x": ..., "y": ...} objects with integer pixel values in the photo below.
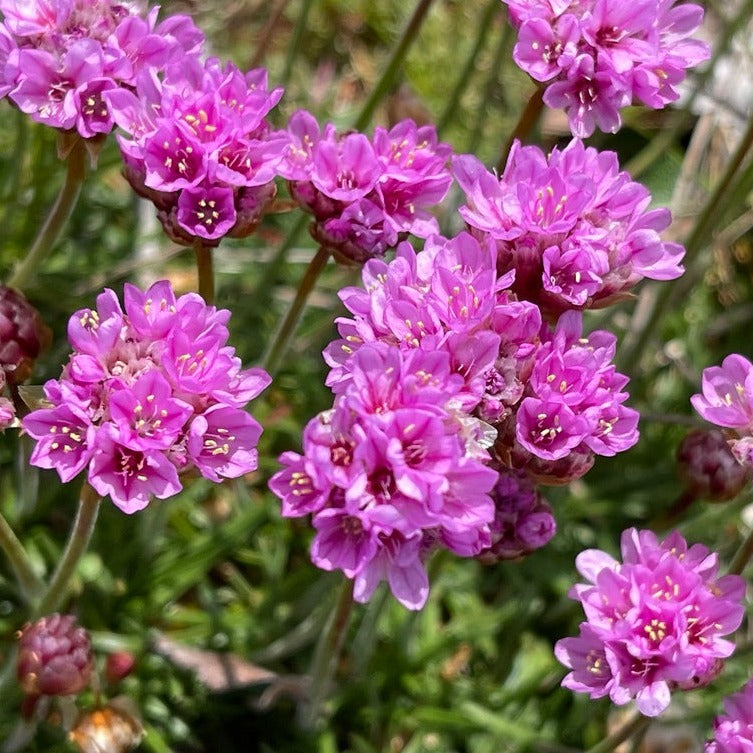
[
  {"x": 54, "y": 656},
  {"x": 707, "y": 467}
]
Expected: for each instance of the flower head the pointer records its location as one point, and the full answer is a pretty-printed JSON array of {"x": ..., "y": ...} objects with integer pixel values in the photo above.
[
  {"x": 59, "y": 62},
  {"x": 726, "y": 400},
  {"x": 575, "y": 229},
  {"x": 200, "y": 147},
  {"x": 733, "y": 730},
  {"x": 654, "y": 622},
  {"x": 365, "y": 194},
  {"x": 151, "y": 390},
  {"x": 598, "y": 56}
]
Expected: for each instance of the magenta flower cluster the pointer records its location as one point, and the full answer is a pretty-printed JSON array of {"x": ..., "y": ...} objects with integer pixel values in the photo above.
[
  {"x": 60, "y": 59},
  {"x": 733, "y": 731},
  {"x": 726, "y": 400},
  {"x": 200, "y": 147},
  {"x": 441, "y": 328},
  {"x": 576, "y": 229},
  {"x": 365, "y": 195},
  {"x": 552, "y": 395},
  {"x": 151, "y": 390},
  {"x": 654, "y": 622},
  {"x": 598, "y": 56},
  {"x": 391, "y": 472}
]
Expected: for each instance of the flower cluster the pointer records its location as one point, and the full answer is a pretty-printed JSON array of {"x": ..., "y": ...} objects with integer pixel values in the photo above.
[
  {"x": 365, "y": 195},
  {"x": 439, "y": 362},
  {"x": 727, "y": 400},
  {"x": 733, "y": 731},
  {"x": 59, "y": 61},
  {"x": 552, "y": 394},
  {"x": 601, "y": 55},
  {"x": 575, "y": 229},
  {"x": 390, "y": 473},
  {"x": 148, "y": 392},
  {"x": 200, "y": 147},
  {"x": 654, "y": 621}
]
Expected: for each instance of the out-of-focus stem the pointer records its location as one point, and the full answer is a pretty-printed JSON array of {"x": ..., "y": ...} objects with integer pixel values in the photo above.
[
  {"x": 295, "y": 41},
  {"x": 78, "y": 541},
  {"x": 279, "y": 344},
  {"x": 484, "y": 26},
  {"x": 326, "y": 657},
  {"x": 57, "y": 218},
  {"x": 742, "y": 556},
  {"x": 524, "y": 126},
  {"x": 27, "y": 579},
  {"x": 204, "y": 270},
  {"x": 393, "y": 64},
  {"x": 266, "y": 35},
  {"x": 633, "y": 726}
]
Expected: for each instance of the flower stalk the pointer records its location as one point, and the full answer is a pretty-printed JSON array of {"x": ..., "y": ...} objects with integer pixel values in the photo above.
[
  {"x": 633, "y": 726},
  {"x": 205, "y": 271},
  {"x": 326, "y": 656},
  {"x": 279, "y": 344},
  {"x": 526, "y": 122},
  {"x": 78, "y": 541},
  {"x": 26, "y": 578},
  {"x": 58, "y": 217}
]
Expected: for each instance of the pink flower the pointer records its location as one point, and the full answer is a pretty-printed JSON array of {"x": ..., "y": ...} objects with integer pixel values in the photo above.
[
  {"x": 389, "y": 465},
  {"x": 149, "y": 392},
  {"x": 733, "y": 731},
  {"x": 60, "y": 61},
  {"x": 200, "y": 147},
  {"x": 601, "y": 55},
  {"x": 573, "y": 226},
  {"x": 365, "y": 195},
  {"x": 654, "y": 622}
]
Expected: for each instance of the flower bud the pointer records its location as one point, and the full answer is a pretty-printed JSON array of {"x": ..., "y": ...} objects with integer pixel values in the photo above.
[
  {"x": 119, "y": 665},
  {"x": 707, "y": 467},
  {"x": 523, "y": 520},
  {"x": 54, "y": 656},
  {"x": 23, "y": 335}
]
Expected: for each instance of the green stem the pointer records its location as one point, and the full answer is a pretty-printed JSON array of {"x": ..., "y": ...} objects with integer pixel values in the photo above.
[
  {"x": 742, "y": 556},
  {"x": 27, "y": 579},
  {"x": 295, "y": 42},
  {"x": 78, "y": 541},
  {"x": 205, "y": 271},
  {"x": 633, "y": 726},
  {"x": 484, "y": 27},
  {"x": 56, "y": 220},
  {"x": 279, "y": 344},
  {"x": 527, "y": 120},
  {"x": 326, "y": 657},
  {"x": 384, "y": 84}
]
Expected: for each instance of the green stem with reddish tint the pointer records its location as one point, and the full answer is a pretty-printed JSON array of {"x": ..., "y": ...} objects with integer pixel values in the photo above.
[
  {"x": 78, "y": 541},
  {"x": 326, "y": 657},
  {"x": 526, "y": 122},
  {"x": 633, "y": 726},
  {"x": 56, "y": 220}
]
